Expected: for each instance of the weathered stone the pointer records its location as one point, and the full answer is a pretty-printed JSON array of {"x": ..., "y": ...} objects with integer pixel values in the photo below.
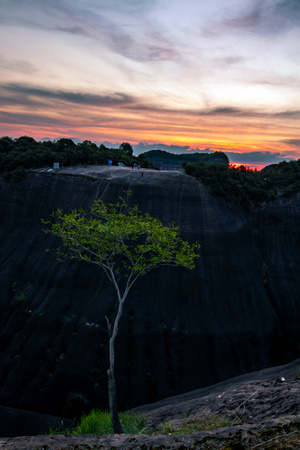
[
  {"x": 238, "y": 311},
  {"x": 14, "y": 422},
  {"x": 260, "y": 412}
]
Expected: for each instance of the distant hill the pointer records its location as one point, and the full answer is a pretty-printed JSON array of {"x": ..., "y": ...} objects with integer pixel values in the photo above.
[{"x": 163, "y": 159}]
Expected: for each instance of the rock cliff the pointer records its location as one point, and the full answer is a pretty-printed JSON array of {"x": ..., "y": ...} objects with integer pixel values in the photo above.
[{"x": 237, "y": 312}]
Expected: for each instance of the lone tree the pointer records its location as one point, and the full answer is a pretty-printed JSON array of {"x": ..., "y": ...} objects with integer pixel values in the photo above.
[{"x": 126, "y": 244}]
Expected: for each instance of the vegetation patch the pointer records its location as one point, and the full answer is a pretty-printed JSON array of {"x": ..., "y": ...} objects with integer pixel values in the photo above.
[
  {"x": 99, "y": 422},
  {"x": 194, "y": 425},
  {"x": 162, "y": 159},
  {"x": 248, "y": 187},
  {"x": 23, "y": 153}
]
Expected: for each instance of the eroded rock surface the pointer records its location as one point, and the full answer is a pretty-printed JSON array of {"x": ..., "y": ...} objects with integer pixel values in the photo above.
[
  {"x": 237, "y": 312},
  {"x": 263, "y": 409}
]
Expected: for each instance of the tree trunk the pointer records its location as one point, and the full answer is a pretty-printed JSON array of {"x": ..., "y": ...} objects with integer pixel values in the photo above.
[
  {"x": 112, "y": 391},
  {"x": 113, "y": 408}
]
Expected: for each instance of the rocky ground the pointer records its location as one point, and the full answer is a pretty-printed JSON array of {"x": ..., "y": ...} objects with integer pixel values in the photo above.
[{"x": 262, "y": 408}]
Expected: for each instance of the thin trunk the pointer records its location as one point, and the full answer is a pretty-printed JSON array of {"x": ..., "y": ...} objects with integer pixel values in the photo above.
[
  {"x": 113, "y": 407},
  {"x": 112, "y": 391}
]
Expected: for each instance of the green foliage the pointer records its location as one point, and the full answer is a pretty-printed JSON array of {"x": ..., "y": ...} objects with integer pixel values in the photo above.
[
  {"x": 23, "y": 153},
  {"x": 99, "y": 422},
  {"x": 126, "y": 148},
  {"x": 167, "y": 428},
  {"x": 248, "y": 187},
  {"x": 124, "y": 242}
]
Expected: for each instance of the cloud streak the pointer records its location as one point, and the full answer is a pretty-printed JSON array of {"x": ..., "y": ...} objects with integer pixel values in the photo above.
[
  {"x": 295, "y": 142},
  {"x": 113, "y": 24},
  {"x": 33, "y": 95},
  {"x": 29, "y": 96},
  {"x": 250, "y": 158},
  {"x": 267, "y": 17}
]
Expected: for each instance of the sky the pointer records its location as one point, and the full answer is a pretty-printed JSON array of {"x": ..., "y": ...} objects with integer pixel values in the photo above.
[{"x": 179, "y": 75}]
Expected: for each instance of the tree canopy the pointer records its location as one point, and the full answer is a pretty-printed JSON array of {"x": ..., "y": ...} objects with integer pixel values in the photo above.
[
  {"x": 246, "y": 186},
  {"x": 25, "y": 153},
  {"x": 127, "y": 148},
  {"x": 162, "y": 158},
  {"x": 124, "y": 242}
]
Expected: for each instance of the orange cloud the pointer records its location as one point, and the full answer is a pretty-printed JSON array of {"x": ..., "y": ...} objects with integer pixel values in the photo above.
[{"x": 117, "y": 117}]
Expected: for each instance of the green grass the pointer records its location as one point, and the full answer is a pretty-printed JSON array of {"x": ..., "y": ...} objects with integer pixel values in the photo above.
[
  {"x": 99, "y": 422},
  {"x": 190, "y": 425}
]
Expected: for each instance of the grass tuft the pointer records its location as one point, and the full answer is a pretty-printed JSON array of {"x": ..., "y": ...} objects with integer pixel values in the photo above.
[
  {"x": 99, "y": 422},
  {"x": 193, "y": 425}
]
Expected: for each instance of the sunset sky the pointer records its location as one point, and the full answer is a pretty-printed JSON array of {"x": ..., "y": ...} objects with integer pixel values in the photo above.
[{"x": 169, "y": 74}]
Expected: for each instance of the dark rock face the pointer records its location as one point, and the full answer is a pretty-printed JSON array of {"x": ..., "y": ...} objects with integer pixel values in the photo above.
[
  {"x": 237, "y": 312},
  {"x": 14, "y": 422}
]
